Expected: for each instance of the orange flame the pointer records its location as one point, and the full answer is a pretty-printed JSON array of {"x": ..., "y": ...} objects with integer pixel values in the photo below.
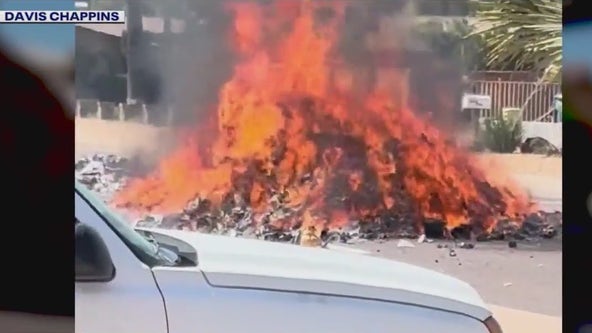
[{"x": 286, "y": 123}]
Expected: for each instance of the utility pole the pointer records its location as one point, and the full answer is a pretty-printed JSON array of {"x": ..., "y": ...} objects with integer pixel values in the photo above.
[
  {"x": 128, "y": 43},
  {"x": 134, "y": 30}
]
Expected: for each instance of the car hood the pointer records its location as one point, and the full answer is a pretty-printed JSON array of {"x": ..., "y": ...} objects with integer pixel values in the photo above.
[{"x": 247, "y": 263}]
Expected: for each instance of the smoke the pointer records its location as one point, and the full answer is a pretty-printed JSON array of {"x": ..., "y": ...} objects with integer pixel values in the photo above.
[
  {"x": 181, "y": 69},
  {"x": 199, "y": 63},
  {"x": 387, "y": 35},
  {"x": 187, "y": 69},
  {"x": 376, "y": 37}
]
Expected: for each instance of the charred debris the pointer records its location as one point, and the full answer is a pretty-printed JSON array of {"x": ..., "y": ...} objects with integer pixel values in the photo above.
[{"x": 106, "y": 174}]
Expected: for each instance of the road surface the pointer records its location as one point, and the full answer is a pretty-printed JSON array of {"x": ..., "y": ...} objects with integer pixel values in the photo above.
[{"x": 522, "y": 285}]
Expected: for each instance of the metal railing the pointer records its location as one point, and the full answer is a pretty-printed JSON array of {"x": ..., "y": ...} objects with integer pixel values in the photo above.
[
  {"x": 138, "y": 113},
  {"x": 536, "y": 98}
]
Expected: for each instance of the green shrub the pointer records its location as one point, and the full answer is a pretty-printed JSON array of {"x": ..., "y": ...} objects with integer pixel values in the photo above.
[{"x": 501, "y": 135}]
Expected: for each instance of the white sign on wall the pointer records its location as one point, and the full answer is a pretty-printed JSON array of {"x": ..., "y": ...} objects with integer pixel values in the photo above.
[{"x": 473, "y": 101}]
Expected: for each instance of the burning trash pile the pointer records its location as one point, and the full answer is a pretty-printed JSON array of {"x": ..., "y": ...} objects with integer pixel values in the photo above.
[
  {"x": 106, "y": 174},
  {"x": 292, "y": 154}
]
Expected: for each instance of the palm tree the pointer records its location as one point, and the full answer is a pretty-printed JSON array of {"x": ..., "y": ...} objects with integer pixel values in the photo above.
[{"x": 525, "y": 34}]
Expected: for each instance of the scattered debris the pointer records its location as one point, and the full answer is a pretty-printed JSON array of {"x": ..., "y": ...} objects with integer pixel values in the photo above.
[
  {"x": 512, "y": 244},
  {"x": 405, "y": 243},
  {"x": 452, "y": 253},
  {"x": 101, "y": 173},
  {"x": 423, "y": 239},
  {"x": 309, "y": 237},
  {"x": 150, "y": 221},
  {"x": 548, "y": 231},
  {"x": 538, "y": 145},
  {"x": 464, "y": 245}
]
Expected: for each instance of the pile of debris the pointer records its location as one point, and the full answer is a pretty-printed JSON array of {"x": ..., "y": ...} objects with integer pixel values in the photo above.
[
  {"x": 104, "y": 174},
  {"x": 538, "y": 145},
  {"x": 107, "y": 174},
  {"x": 240, "y": 221}
]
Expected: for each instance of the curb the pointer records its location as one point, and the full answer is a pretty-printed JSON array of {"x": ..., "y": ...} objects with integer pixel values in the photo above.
[{"x": 519, "y": 321}]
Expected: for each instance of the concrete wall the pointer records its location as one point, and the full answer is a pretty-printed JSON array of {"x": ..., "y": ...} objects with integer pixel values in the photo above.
[
  {"x": 552, "y": 132},
  {"x": 135, "y": 113},
  {"x": 122, "y": 138},
  {"x": 526, "y": 164}
]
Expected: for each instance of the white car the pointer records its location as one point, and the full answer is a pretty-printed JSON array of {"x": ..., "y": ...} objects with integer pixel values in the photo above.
[{"x": 170, "y": 281}]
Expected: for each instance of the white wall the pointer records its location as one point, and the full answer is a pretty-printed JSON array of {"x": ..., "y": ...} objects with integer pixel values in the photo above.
[{"x": 552, "y": 132}]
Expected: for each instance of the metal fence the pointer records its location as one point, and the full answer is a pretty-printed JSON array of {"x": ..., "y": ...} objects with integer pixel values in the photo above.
[
  {"x": 139, "y": 112},
  {"x": 536, "y": 98}
]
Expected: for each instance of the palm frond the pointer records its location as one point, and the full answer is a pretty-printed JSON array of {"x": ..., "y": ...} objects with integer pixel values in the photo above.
[{"x": 526, "y": 33}]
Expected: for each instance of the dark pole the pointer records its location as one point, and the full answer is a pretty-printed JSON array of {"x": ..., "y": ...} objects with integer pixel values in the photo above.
[
  {"x": 128, "y": 53},
  {"x": 134, "y": 30}
]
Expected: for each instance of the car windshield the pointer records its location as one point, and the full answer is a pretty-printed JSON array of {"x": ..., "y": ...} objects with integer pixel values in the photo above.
[{"x": 140, "y": 246}]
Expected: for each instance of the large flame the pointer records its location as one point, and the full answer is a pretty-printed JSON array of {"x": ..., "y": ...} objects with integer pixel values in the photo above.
[{"x": 287, "y": 124}]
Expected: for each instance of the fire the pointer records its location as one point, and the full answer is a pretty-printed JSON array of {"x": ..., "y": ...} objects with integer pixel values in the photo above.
[{"x": 287, "y": 126}]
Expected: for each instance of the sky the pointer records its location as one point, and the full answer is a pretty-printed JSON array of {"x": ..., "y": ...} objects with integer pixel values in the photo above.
[{"x": 56, "y": 40}]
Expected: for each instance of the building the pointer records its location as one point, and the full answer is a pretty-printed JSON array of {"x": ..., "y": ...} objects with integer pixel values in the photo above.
[{"x": 101, "y": 70}]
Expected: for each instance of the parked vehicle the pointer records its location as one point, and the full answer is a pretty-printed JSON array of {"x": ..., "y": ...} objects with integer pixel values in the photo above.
[{"x": 160, "y": 281}]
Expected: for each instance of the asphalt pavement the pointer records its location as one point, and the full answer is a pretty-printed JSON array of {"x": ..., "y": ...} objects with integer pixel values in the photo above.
[
  {"x": 527, "y": 277},
  {"x": 522, "y": 285}
]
